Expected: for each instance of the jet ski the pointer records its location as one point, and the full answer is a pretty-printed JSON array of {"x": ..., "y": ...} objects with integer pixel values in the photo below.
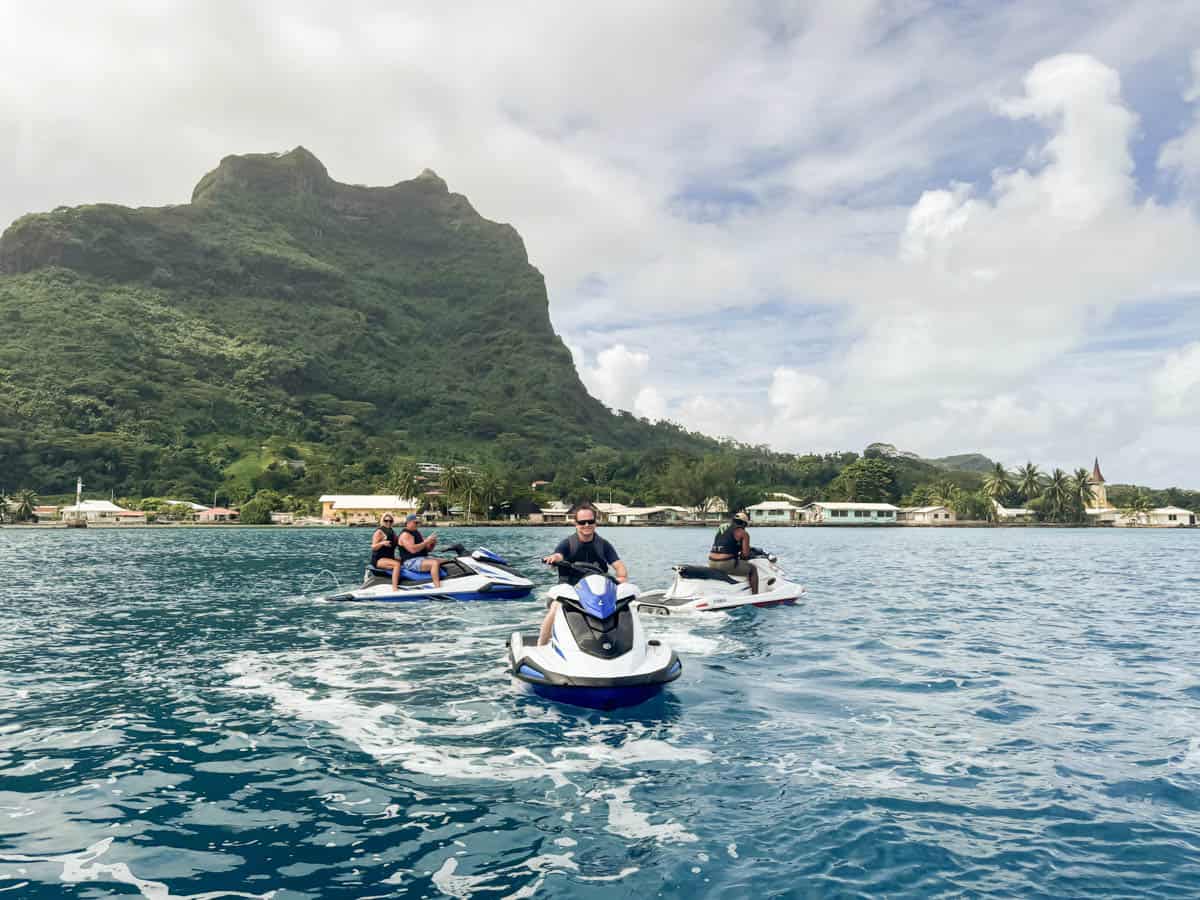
[
  {"x": 480, "y": 575},
  {"x": 703, "y": 589},
  {"x": 598, "y": 655}
]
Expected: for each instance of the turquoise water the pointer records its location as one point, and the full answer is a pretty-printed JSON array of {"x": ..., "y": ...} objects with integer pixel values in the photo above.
[{"x": 1010, "y": 713}]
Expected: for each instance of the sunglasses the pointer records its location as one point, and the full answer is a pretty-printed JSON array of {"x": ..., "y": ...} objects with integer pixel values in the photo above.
[
  {"x": 388, "y": 521},
  {"x": 585, "y": 521}
]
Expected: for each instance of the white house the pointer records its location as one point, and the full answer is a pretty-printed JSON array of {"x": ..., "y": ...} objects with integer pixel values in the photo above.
[
  {"x": 365, "y": 507},
  {"x": 100, "y": 512},
  {"x": 925, "y": 515},
  {"x": 1172, "y": 517},
  {"x": 775, "y": 512},
  {"x": 619, "y": 514},
  {"x": 1006, "y": 514},
  {"x": 827, "y": 513},
  {"x": 555, "y": 513}
]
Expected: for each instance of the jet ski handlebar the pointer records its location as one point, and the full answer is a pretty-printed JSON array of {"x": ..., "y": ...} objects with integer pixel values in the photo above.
[{"x": 583, "y": 569}]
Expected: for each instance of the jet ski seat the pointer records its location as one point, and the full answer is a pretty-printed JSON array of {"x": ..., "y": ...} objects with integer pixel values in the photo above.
[
  {"x": 404, "y": 575},
  {"x": 704, "y": 573}
]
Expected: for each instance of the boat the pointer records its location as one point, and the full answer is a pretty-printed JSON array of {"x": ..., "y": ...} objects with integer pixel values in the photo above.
[
  {"x": 598, "y": 655},
  {"x": 697, "y": 589},
  {"x": 479, "y": 575}
]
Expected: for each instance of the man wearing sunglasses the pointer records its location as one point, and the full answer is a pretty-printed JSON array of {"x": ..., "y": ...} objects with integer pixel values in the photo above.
[{"x": 584, "y": 546}]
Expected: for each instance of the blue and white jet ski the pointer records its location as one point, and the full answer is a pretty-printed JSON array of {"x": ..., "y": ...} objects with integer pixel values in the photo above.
[
  {"x": 481, "y": 575},
  {"x": 598, "y": 655}
]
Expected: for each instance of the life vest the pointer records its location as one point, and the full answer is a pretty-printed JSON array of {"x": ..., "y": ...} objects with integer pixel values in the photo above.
[
  {"x": 595, "y": 548},
  {"x": 405, "y": 553},
  {"x": 388, "y": 551},
  {"x": 725, "y": 542}
]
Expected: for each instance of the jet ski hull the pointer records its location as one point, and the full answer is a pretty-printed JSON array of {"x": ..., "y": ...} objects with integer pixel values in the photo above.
[
  {"x": 418, "y": 596},
  {"x": 658, "y": 603},
  {"x": 464, "y": 579},
  {"x": 697, "y": 589},
  {"x": 597, "y": 686}
]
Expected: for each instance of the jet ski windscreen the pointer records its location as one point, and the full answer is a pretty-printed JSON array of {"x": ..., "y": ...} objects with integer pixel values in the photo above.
[{"x": 598, "y": 596}]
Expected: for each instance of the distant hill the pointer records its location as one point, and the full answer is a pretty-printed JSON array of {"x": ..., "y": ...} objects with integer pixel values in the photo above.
[
  {"x": 282, "y": 317},
  {"x": 964, "y": 462}
]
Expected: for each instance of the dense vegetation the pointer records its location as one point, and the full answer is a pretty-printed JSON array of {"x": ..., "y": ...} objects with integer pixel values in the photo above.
[
  {"x": 282, "y": 331},
  {"x": 283, "y": 335}
]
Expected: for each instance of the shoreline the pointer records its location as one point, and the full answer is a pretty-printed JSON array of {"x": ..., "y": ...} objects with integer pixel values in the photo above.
[{"x": 160, "y": 526}]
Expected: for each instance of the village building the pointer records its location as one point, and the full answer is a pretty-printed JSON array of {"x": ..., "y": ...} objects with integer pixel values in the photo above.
[
  {"x": 216, "y": 514},
  {"x": 1010, "y": 515},
  {"x": 620, "y": 514},
  {"x": 775, "y": 512},
  {"x": 1172, "y": 517},
  {"x": 1162, "y": 517},
  {"x": 925, "y": 515},
  {"x": 102, "y": 512},
  {"x": 555, "y": 513},
  {"x": 351, "y": 509},
  {"x": 1099, "y": 511},
  {"x": 45, "y": 513},
  {"x": 713, "y": 509},
  {"x": 834, "y": 513}
]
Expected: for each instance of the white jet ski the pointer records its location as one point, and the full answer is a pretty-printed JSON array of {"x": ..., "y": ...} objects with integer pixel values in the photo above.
[
  {"x": 702, "y": 589},
  {"x": 482, "y": 575},
  {"x": 598, "y": 655}
]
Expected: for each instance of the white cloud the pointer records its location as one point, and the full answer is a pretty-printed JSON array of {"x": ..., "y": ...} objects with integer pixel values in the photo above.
[
  {"x": 1176, "y": 384},
  {"x": 1181, "y": 156},
  {"x": 618, "y": 378}
]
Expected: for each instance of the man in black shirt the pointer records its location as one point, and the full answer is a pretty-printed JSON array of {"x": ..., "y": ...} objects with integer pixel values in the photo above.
[{"x": 585, "y": 546}]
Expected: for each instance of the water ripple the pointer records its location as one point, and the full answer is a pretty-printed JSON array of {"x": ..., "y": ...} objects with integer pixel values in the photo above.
[{"x": 981, "y": 713}]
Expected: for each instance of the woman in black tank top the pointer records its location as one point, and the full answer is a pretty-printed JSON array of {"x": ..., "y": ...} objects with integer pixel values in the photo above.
[{"x": 383, "y": 549}]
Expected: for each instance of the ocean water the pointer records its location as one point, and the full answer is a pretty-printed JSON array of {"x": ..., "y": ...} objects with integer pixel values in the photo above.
[{"x": 980, "y": 713}]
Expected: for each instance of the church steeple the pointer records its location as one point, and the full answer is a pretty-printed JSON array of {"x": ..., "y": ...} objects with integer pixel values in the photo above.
[{"x": 1099, "y": 491}]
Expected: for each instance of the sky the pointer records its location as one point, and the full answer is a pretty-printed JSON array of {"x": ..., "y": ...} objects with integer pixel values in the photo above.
[{"x": 951, "y": 226}]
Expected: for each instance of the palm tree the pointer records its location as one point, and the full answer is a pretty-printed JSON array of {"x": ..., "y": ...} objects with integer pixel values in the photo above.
[
  {"x": 405, "y": 479},
  {"x": 455, "y": 482},
  {"x": 26, "y": 501},
  {"x": 1081, "y": 481},
  {"x": 997, "y": 484},
  {"x": 1058, "y": 493},
  {"x": 948, "y": 494},
  {"x": 1030, "y": 481},
  {"x": 490, "y": 488}
]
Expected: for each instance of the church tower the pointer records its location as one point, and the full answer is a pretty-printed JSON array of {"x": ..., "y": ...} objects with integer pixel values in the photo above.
[{"x": 1099, "y": 491}]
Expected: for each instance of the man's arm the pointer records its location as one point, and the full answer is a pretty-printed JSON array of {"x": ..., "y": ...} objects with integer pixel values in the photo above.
[
  {"x": 559, "y": 554},
  {"x": 610, "y": 557},
  {"x": 745, "y": 545}
]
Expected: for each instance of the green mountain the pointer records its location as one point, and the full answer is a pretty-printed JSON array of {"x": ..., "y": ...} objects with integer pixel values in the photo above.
[
  {"x": 964, "y": 462},
  {"x": 283, "y": 322}
]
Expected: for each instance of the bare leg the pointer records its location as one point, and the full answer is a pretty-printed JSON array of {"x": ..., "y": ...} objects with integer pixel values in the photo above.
[
  {"x": 435, "y": 569},
  {"x": 547, "y": 626},
  {"x": 753, "y": 580},
  {"x": 394, "y": 566}
]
